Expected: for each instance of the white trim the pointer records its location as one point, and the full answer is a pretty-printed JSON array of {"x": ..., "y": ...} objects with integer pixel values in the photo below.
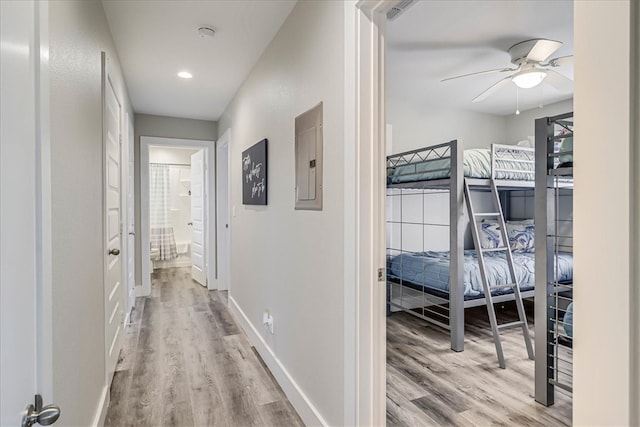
[
  {"x": 44, "y": 373},
  {"x": 139, "y": 292},
  {"x": 224, "y": 141},
  {"x": 365, "y": 213},
  {"x": 210, "y": 147},
  {"x": 350, "y": 177},
  {"x": 302, "y": 404},
  {"x": 635, "y": 215},
  {"x": 101, "y": 410}
]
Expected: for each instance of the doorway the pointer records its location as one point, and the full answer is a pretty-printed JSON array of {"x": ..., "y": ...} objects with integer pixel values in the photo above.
[{"x": 177, "y": 208}]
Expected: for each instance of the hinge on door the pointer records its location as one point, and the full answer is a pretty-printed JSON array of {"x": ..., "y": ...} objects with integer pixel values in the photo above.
[{"x": 381, "y": 274}]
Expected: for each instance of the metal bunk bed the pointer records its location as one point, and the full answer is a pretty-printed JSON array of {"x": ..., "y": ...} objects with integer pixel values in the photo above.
[
  {"x": 554, "y": 233},
  {"x": 433, "y": 171}
]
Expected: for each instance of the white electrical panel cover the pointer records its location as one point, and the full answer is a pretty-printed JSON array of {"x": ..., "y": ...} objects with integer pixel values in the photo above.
[{"x": 308, "y": 155}]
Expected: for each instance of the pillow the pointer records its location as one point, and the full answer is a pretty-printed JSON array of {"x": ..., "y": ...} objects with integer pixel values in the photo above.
[
  {"x": 566, "y": 144},
  {"x": 568, "y": 320},
  {"x": 490, "y": 235},
  {"x": 521, "y": 236},
  {"x": 520, "y": 222},
  {"x": 525, "y": 143}
]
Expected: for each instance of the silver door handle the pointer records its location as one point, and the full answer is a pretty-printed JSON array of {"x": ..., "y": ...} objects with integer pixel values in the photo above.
[
  {"x": 189, "y": 223},
  {"x": 114, "y": 252},
  {"x": 131, "y": 233},
  {"x": 37, "y": 414}
]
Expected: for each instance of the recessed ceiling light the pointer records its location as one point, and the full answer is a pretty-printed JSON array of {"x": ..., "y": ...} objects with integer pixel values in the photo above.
[
  {"x": 185, "y": 74},
  {"x": 206, "y": 31}
]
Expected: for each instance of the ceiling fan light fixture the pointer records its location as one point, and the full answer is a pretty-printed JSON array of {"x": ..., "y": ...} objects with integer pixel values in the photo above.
[{"x": 528, "y": 79}]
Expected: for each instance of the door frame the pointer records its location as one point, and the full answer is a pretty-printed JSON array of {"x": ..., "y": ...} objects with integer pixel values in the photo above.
[
  {"x": 129, "y": 219},
  {"x": 365, "y": 123},
  {"x": 210, "y": 214},
  {"x": 224, "y": 142}
]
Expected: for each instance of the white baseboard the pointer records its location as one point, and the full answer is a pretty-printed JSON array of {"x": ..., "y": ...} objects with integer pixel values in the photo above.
[
  {"x": 140, "y": 292},
  {"x": 101, "y": 410},
  {"x": 305, "y": 408}
]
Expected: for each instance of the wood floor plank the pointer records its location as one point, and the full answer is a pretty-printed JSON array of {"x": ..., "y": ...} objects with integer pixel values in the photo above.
[
  {"x": 187, "y": 363},
  {"x": 465, "y": 388}
]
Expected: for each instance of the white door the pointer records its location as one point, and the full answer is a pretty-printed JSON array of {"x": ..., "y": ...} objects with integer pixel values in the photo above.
[
  {"x": 130, "y": 224},
  {"x": 25, "y": 319},
  {"x": 113, "y": 292},
  {"x": 222, "y": 211},
  {"x": 198, "y": 235}
]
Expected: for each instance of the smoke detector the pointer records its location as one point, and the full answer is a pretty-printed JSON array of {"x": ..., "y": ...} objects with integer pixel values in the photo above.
[{"x": 205, "y": 32}]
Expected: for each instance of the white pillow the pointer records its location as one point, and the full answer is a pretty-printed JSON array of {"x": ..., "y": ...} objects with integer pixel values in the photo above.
[
  {"x": 521, "y": 236},
  {"x": 490, "y": 236},
  {"x": 525, "y": 143}
]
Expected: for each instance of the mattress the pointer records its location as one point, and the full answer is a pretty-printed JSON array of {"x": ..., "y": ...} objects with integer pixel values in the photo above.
[
  {"x": 477, "y": 164},
  {"x": 430, "y": 270}
]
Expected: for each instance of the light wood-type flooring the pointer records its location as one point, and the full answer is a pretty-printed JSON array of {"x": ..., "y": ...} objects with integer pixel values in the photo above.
[
  {"x": 430, "y": 385},
  {"x": 187, "y": 363}
]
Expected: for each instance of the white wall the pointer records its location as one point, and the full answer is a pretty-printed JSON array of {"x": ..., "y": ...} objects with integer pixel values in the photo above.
[
  {"x": 420, "y": 126},
  {"x": 166, "y": 127},
  {"x": 291, "y": 262},
  {"x": 605, "y": 362},
  {"x": 78, "y": 34},
  {"x": 522, "y": 126},
  {"x": 181, "y": 156},
  {"x": 414, "y": 126}
]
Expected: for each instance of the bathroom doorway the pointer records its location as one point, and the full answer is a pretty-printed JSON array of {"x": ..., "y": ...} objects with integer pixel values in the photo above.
[
  {"x": 177, "y": 208},
  {"x": 170, "y": 206}
]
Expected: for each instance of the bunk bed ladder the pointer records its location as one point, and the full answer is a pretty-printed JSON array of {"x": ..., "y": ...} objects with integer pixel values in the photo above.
[{"x": 476, "y": 219}]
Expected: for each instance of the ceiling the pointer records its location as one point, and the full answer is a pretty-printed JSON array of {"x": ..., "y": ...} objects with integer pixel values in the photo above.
[
  {"x": 433, "y": 40},
  {"x": 157, "y": 39}
]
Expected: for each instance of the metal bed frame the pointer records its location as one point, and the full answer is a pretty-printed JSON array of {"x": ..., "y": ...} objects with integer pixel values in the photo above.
[
  {"x": 442, "y": 308},
  {"x": 554, "y": 232}
]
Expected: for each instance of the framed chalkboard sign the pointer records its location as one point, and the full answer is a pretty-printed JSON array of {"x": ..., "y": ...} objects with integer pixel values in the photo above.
[{"x": 254, "y": 174}]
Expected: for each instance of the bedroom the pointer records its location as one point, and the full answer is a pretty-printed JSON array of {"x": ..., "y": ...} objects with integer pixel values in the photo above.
[{"x": 427, "y": 381}]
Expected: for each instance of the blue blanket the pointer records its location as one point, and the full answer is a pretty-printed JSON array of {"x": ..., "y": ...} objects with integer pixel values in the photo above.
[{"x": 431, "y": 270}]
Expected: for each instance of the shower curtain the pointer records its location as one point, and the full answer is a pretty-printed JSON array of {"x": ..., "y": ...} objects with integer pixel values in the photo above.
[{"x": 163, "y": 242}]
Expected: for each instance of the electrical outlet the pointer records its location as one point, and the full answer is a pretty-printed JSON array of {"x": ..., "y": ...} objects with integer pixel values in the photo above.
[{"x": 267, "y": 321}]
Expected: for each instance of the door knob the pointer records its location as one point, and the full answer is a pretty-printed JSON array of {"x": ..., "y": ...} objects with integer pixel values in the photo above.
[
  {"x": 114, "y": 252},
  {"x": 37, "y": 414}
]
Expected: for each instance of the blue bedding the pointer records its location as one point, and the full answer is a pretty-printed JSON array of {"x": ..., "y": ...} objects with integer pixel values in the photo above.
[{"x": 430, "y": 270}]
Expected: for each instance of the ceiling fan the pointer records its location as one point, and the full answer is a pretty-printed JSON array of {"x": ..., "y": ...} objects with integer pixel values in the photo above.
[{"x": 530, "y": 68}]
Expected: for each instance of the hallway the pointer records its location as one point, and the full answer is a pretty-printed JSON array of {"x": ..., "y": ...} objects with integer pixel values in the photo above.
[{"x": 186, "y": 363}]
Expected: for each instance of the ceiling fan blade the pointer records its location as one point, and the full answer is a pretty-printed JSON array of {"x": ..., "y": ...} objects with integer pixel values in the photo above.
[
  {"x": 497, "y": 70},
  {"x": 543, "y": 49},
  {"x": 558, "y": 81},
  {"x": 560, "y": 61},
  {"x": 484, "y": 95}
]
